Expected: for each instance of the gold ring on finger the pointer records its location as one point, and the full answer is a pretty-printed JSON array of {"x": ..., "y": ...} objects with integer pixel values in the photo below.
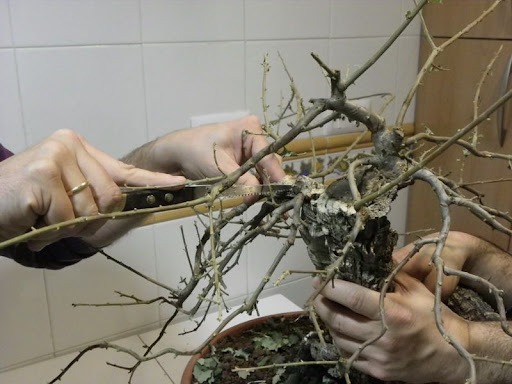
[{"x": 78, "y": 188}]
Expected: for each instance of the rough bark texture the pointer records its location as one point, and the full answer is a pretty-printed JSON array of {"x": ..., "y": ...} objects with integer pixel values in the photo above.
[
  {"x": 328, "y": 218},
  {"x": 368, "y": 262},
  {"x": 470, "y": 305}
]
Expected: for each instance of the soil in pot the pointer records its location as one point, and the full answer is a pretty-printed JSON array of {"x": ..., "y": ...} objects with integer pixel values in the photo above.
[{"x": 274, "y": 341}]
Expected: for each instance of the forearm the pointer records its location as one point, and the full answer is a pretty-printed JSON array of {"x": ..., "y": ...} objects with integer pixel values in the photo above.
[
  {"x": 492, "y": 264},
  {"x": 492, "y": 349},
  {"x": 159, "y": 155},
  {"x": 141, "y": 157}
]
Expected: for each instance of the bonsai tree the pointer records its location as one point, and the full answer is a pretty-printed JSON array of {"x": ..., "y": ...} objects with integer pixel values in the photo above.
[{"x": 344, "y": 224}]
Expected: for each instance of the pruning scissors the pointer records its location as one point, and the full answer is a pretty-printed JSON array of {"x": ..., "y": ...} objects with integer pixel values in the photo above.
[{"x": 152, "y": 197}]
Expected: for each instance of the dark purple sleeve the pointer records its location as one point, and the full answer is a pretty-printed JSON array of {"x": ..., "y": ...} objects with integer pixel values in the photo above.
[
  {"x": 4, "y": 153},
  {"x": 57, "y": 255}
]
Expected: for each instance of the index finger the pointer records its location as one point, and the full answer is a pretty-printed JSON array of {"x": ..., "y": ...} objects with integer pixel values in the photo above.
[
  {"x": 359, "y": 299},
  {"x": 126, "y": 174}
]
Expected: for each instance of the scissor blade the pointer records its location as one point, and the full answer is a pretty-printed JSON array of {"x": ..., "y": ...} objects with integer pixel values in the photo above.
[{"x": 262, "y": 190}]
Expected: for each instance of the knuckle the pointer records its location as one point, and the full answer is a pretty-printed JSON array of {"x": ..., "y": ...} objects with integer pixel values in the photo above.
[
  {"x": 383, "y": 369},
  {"x": 337, "y": 326},
  {"x": 355, "y": 301},
  {"x": 126, "y": 172},
  {"x": 401, "y": 317},
  {"x": 55, "y": 149},
  {"x": 44, "y": 168},
  {"x": 110, "y": 197},
  {"x": 30, "y": 203},
  {"x": 115, "y": 195},
  {"x": 339, "y": 346},
  {"x": 391, "y": 346},
  {"x": 381, "y": 372},
  {"x": 253, "y": 123},
  {"x": 90, "y": 209},
  {"x": 66, "y": 134}
]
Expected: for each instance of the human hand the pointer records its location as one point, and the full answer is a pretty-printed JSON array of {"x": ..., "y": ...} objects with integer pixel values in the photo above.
[
  {"x": 412, "y": 349},
  {"x": 213, "y": 150},
  {"x": 458, "y": 248},
  {"x": 35, "y": 184}
]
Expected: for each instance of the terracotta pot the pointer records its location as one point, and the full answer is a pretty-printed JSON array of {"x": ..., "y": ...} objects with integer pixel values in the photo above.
[{"x": 188, "y": 376}]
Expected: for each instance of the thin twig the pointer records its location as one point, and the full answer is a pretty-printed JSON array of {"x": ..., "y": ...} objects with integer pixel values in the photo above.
[{"x": 480, "y": 84}]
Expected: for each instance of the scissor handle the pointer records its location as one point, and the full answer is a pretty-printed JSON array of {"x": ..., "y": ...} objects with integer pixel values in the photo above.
[{"x": 152, "y": 198}]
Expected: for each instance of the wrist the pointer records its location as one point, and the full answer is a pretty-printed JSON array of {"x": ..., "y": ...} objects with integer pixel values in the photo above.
[
  {"x": 478, "y": 339},
  {"x": 163, "y": 154},
  {"x": 471, "y": 248},
  {"x": 458, "y": 369}
]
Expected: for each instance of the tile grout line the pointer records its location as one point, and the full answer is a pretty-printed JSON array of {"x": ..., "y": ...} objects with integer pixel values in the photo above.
[
  {"x": 329, "y": 56},
  {"x": 277, "y": 39},
  {"x": 252, "y": 112},
  {"x": 329, "y": 45},
  {"x": 143, "y": 67},
  {"x": 10, "y": 22},
  {"x": 330, "y": 20},
  {"x": 18, "y": 83},
  {"x": 242, "y": 40},
  {"x": 398, "y": 42},
  {"x": 146, "y": 114},
  {"x": 49, "y": 313},
  {"x": 245, "y": 56}
]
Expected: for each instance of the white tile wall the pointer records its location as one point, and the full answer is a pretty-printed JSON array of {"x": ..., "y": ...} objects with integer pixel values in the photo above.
[
  {"x": 356, "y": 18},
  {"x": 5, "y": 24},
  {"x": 11, "y": 123},
  {"x": 192, "y": 20},
  {"x": 60, "y": 22},
  {"x": 298, "y": 290},
  {"x": 121, "y": 72},
  {"x": 350, "y": 54},
  {"x": 205, "y": 78},
  {"x": 408, "y": 53},
  {"x": 172, "y": 264},
  {"x": 262, "y": 252},
  {"x": 25, "y": 330},
  {"x": 95, "y": 280},
  {"x": 97, "y": 91},
  {"x": 414, "y": 27},
  {"x": 286, "y": 19},
  {"x": 306, "y": 73}
]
